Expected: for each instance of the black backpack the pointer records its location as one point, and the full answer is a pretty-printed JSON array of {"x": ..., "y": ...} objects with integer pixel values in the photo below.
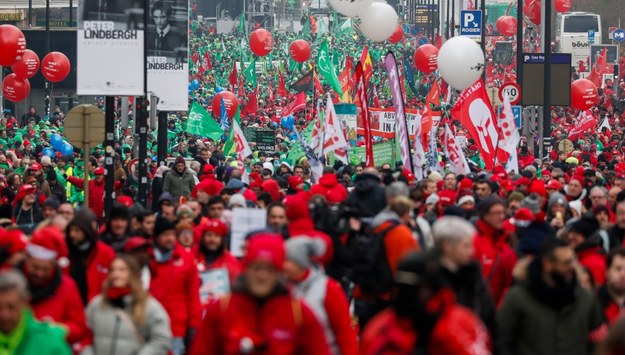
[{"x": 371, "y": 270}]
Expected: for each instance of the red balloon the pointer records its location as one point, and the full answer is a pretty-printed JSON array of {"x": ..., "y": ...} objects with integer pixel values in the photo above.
[
  {"x": 55, "y": 67},
  {"x": 14, "y": 88},
  {"x": 261, "y": 42},
  {"x": 12, "y": 45},
  {"x": 397, "y": 36},
  {"x": 562, "y": 5},
  {"x": 426, "y": 57},
  {"x": 299, "y": 50},
  {"x": 230, "y": 100},
  {"x": 584, "y": 94},
  {"x": 532, "y": 11},
  {"x": 28, "y": 66},
  {"x": 506, "y": 25}
]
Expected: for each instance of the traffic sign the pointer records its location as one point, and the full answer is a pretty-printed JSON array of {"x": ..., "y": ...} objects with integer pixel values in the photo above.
[
  {"x": 513, "y": 90},
  {"x": 619, "y": 35},
  {"x": 422, "y": 40},
  {"x": 591, "y": 36},
  {"x": 471, "y": 23}
]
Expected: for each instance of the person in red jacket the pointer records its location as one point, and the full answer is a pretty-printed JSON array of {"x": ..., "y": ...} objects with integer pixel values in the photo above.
[
  {"x": 322, "y": 294},
  {"x": 260, "y": 317},
  {"x": 424, "y": 317},
  {"x": 583, "y": 238},
  {"x": 54, "y": 296},
  {"x": 96, "y": 191},
  {"x": 330, "y": 189},
  {"x": 213, "y": 258},
  {"x": 174, "y": 282},
  {"x": 491, "y": 247},
  {"x": 89, "y": 258}
]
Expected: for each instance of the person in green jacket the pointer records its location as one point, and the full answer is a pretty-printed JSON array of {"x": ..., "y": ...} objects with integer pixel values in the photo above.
[
  {"x": 547, "y": 312},
  {"x": 20, "y": 333}
]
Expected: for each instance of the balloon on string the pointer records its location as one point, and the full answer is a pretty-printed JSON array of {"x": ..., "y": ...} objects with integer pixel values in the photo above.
[
  {"x": 27, "y": 66},
  {"x": 584, "y": 94},
  {"x": 562, "y": 5},
  {"x": 506, "y": 25},
  {"x": 261, "y": 42},
  {"x": 288, "y": 122},
  {"x": 195, "y": 84},
  {"x": 48, "y": 152},
  {"x": 55, "y": 66},
  {"x": 14, "y": 88},
  {"x": 299, "y": 50},
  {"x": 56, "y": 141},
  {"x": 460, "y": 62},
  {"x": 426, "y": 58},
  {"x": 350, "y": 8},
  {"x": 397, "y": 36},
  {"x": 230, "y": 100},
  {"x": 67, "y": 149},
  {"x": 532, "y": 11},
  {"x": 218, "y": 89},
  {"x": 378, "y": 21},
  {"x": 12, "y": 45}
]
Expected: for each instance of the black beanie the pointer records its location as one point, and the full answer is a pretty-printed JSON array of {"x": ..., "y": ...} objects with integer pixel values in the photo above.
[
  {"x": 162, "y": 225},
  {"x": 586, "y": 226},
  {"x": 119, "y": 211}
]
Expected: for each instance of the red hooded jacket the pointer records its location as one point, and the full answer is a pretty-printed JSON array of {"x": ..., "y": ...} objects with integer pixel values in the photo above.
[
  {"x": 330, "y": 188},
  {"x": 96, "y": 194}
]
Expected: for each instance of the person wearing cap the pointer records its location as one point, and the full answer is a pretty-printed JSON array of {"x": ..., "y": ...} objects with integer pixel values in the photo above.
[
  {"x": 174, "y": 282},
  {"x": 558, "y": 211},
  {"x": 247, "y": 321},
  {"x": 491, "y": 246},
  {"x": 185, "y": 234},
  {"x": 179, "y": 181},
  {"x": 89, "y": 257},
  {"x": 117, "y": 228},
  {"x": 54, "y": 295},
  {"x": 583, "y": 237},
  {"x": 321, "y": 293},
  {"x": 211, "y": 254},
  {"x": 424, "y": 316},
  {"x": 27, "y": 213},
  {"x": 36, "y": 170},
  {"x": 50, "y": 208},
  {"x": 552, "y": 187},
  {"x": 96, "y": 191},
  {"x": 20, "y": 332}
]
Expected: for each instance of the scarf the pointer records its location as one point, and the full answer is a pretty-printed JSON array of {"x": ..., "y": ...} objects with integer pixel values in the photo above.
[
  {"x": 162, "y": 256},
  {"x": 115, "y": 296},
  {"x": 10, "y": 342},
  {"x": 78, "y": 257}
]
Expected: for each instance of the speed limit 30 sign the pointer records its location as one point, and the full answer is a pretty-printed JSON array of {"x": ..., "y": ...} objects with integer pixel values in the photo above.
[{"x": 513, "y": 90}]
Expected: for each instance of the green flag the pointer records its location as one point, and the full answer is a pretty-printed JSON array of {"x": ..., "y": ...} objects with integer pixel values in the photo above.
[
  {"x": 242, "y": 28},
  {"x": 306, "y": 29},
  {"x": 326, "y": 68},
  {"x": 202, "y": 124},
  {"x": 250, "y": 73}
]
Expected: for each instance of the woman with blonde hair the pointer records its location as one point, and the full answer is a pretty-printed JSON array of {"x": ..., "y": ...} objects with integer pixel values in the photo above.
[{"x": 125, "y": 319}]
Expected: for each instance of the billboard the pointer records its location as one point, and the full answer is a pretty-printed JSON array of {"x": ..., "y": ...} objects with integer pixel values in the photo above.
[
  {"x": 110, "y": 50},
  {"x": 167, "y": 47}
]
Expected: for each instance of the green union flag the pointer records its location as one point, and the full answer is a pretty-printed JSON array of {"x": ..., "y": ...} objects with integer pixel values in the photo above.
[
  {"x": 250, "y": 73},
  {"x": 326, "y": 68},
  {"x": 202, "y": 124}
]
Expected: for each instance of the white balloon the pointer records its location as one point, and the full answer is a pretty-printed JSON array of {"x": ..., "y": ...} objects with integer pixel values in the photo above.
[
  {"x": 378, "y": 21},
  {"x": 460, "y": 62},
  {"x": 350, "y": 8}
]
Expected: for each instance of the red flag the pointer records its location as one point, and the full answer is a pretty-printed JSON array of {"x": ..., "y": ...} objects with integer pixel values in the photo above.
[
  {"x": 471, "y": 6},
  {"x": 241, "y": 88},
  {"x": 346, "y": 80},
  {"x": 430, "y": 119},
  {"x": 596, "y": 74},
  {"x": 232, "y": 78},
  {"x": 252, "y": 103},
  {"x": 474, "y": 110},
  {"x": 367, "y": 65},
  {"x": 585, "y": 122},
  {"x": 298, "y": 103},
  {"x": 364, "y": 111},
  {"x": 206, "y": 62},
  {"x": 282, "y": 86},
  {"x": 313, "y": 24},
  {"x": 318, "y": 86},
  {"x": 195, "y": 57}
]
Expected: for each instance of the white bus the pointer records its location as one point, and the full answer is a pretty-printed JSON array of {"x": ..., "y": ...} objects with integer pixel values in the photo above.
[{"x": 572, "y": 34}]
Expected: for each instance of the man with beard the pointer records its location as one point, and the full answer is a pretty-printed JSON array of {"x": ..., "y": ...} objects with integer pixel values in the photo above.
[
  {"x": 547, "y": 311},
  {"x": 612, "y": 294},
  {"x": 424, "y": 317},
  {"x": 179, "y": 181},
  {"x": 117, "y": 228},
  {"x": 453, "y": 238}
]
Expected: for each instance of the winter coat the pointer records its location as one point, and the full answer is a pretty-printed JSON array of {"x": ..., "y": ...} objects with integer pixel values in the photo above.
[
  {"x": 368, "y": 196},
  {"x": 497, "y": 259},
  {"x": 63, "y": 306},
  {"x": 530, "y": 323},
  {"x": 41, "y": 338},
  {"x": 96, "y": 194},
  {"x": 175, "y": 284},
  {"x": 115, "y": 333},
  {"x": 457, "y": 332},
  {"x": 591, "y": 256},
  {"x": 59, "y": 192},
  {"x": 179, "y": 184},
  {"x": 329, "y": 188},
  {"x": 280, "y": 325},
  {"x": 611, "y": 310},
  {"x": 27, "y": 220},
  {"x": 305, "y": 227},
  {"x": 226, "y": 260},
  {"x": 328, "y": 302}
]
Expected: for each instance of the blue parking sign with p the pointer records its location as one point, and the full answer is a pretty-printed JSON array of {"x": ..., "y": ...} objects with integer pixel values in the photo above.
[{"x": 471, "y": 23}]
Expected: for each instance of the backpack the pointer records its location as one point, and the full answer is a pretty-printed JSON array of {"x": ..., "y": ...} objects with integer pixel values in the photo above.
[{"x": 371, "y": 270}]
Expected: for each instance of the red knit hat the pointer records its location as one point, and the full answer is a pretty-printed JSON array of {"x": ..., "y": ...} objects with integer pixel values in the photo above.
[
  {"x": 295, "y": 181},
  {"x": 507, "y": 185},
  {"x": 537, "y": 187},
  {"x": 554, "y": 185},
  {"x": 209, "y": 169},
  {"x": 265, "y": 247},
  {"x": 250, "y": 195},
  {"x": 216, "y": 226},
  {"x": 522, "y": 217},
  {"x": 296, "y": 206},
  {"x": 48, "y": 243},
  {"x": 465, "y": 184},
  {"x": 272, "y": 188},
  {"x": 13, "y": 241},
  {"x": 446, "y": 197},
  {"x": 523, "y": 181}
]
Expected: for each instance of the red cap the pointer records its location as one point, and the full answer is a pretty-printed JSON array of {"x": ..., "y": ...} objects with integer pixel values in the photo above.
[
  {"x": 554, "y": 185},
  {"x": 523, "y": 181},
  {"x": 14, "y": 241},
  {"x": 466, "y": 184},
  {"x": 216, "y": 226},
  {"x": 538, "y": 187},
  {"x": 266, "y": 247},
  {"x": 507, "y": 185},
  {"x": 126, "y": 201},
  {"x": 35, "y": 166},
  {"x": 295, "y": 181},
  {"x": 134, "y": 243},
  {"x": 446, "y": 197},
  {"x": 408, "y": 175},
  {"x": 209, "y": 169},
  {"x": 98, "y": 171},
  {"x": 545, "y": 173}
]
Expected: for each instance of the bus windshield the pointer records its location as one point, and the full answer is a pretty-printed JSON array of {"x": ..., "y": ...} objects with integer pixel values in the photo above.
[{"x": 580, "y": 24}]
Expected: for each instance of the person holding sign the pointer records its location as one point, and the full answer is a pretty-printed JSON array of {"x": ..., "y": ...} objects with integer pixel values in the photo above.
[{"x": 217, "y": 267}]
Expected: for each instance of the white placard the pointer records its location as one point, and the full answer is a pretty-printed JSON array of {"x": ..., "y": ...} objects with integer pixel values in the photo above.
[{"x": 245, "y": 220}]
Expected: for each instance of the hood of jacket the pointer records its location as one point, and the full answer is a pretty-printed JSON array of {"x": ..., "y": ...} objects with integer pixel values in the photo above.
[
  {"x": 365, "y": 183},
  {"x": 84, "y": 220},
  {"x": 383, "y": 217},
  {"x": 328, "y": 180}
]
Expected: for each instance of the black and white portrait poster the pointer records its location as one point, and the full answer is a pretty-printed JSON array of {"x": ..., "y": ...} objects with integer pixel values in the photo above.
[
  {"x": 110, "y": 59},
  {"x": 167, "y": 44}
]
